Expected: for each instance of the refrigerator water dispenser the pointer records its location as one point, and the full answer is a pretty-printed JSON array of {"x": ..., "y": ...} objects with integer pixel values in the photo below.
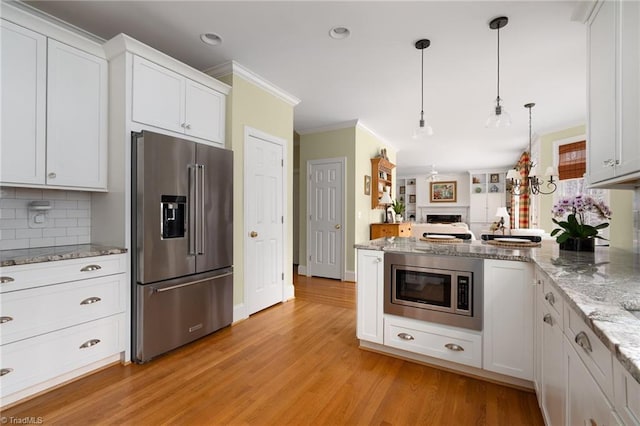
[{"x": 174, "y": 217}]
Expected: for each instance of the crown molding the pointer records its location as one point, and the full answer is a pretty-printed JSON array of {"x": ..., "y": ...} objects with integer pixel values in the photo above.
[
  {"x": 329, "y": 127},
  {"x": 377, "y": 136},
  {"x": 233, "y": 67}
]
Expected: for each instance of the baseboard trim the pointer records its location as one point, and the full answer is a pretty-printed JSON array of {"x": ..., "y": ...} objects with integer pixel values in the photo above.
[
  {"x": 302, "y": 270},
  {"x": 350, "y": 276},
  {"x": 239, "y": 312}
]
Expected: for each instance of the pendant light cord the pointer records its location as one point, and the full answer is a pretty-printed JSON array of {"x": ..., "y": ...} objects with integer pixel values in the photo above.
[
  {"x": 498, "y": 84},
  {"x": 422, "y": 87}
]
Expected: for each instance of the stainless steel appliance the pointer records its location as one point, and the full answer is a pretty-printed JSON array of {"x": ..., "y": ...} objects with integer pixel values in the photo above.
[
  {"x": 442, "y": 289},
  {"x": 182, "y": 248}
]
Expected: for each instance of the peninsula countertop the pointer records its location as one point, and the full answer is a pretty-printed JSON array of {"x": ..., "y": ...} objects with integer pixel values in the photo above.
[
  {"x": 50, "y": 254},
  {"x": 602, "y": 287}
]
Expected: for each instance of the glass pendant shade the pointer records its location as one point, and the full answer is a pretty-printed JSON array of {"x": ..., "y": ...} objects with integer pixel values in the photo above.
[
  {"x": 423, "y": 130},
  {"x": 498, "y": 118}
]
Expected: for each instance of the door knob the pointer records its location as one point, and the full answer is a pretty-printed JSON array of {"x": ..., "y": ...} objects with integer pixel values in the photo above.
[
  {"x": 253, "y": 234},
  {"x": 338, "y": 226}
]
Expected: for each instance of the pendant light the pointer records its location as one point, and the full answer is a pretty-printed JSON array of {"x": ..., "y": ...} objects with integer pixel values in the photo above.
[
  {"x": 531, "y": 172},
  {"x": 423, "y": 127},
  {"x": 498, "y": 117}
]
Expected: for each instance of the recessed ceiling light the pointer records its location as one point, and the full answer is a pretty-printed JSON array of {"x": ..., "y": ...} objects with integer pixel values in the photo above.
[
  {"x": 339, "y": 32},
  {"x": 211, "y": 38}
]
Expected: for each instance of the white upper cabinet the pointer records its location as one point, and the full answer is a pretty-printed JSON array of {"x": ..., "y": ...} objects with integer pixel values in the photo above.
[
  {"x": 76, "y": 118},
  {"x": 54, "y": 113},
  {"x": 165, "y": 99},
  {"x": 614, "y": 93},
  {"x": 23, "y": 87}
]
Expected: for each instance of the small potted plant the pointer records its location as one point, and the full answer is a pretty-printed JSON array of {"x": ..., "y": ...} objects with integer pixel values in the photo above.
[
  {"x": 398, "y": 209},
  {"x": 573, "y": 233}
]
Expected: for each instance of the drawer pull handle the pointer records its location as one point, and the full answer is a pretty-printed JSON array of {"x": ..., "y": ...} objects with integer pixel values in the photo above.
[
  {"x": 405, "y": 336},
  {"x": 90, "y": 268},
  {"x": 90, "y": 300},
  {"x": 5, "y": 371},
  {"x": 89, "y": 343},
  {"x": 549, "y": 297},
  {"x": 454, "y": 347},
  {"x": 583, "y": 341},
  {"x": 4, "y": 280},
  {"x": 5, "y": 319},
  {"x": 548, "y": 319}
]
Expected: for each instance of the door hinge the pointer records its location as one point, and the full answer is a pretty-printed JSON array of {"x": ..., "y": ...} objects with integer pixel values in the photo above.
[
  {"x": 283, "y": 276},
  {"x": 309, "y": 257},
  {"x": 282, "y": 162},
  {"x": 282, "y": 219}
]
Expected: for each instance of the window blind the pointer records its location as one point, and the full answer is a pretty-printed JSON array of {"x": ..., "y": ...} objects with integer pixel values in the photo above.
[{"x": 572, "y": 160}]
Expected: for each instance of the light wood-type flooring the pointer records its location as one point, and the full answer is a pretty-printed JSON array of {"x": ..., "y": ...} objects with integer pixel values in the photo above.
[{"x": 296, "y": 363}]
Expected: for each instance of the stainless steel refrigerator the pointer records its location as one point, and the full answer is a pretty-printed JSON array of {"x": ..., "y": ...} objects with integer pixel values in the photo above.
[{"x": 182, "y": 248}]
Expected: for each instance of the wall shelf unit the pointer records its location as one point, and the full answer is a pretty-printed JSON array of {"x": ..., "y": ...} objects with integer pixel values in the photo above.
[{"x": 381, "y": 177}]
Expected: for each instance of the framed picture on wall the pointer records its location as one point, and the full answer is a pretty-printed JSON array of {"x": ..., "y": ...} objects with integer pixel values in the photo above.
[
  {"x": 443, "y": 192},
  {"x": 367, "y": 185}
]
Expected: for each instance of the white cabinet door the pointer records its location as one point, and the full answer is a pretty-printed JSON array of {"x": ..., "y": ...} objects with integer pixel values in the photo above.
[
  {"x": 630, "y": 91},
  {"x": 205, "y": 111},
  {"x": 158, "y": 96},
  {"x": 508, "y": 318},
  {"x": 370, "y": 285},
  {"x": 76, "y": 118},
  {"x": 23, "y": 94},
  {"x": 553, "y": 379},
  {"x": 478, "y": 208},
  {"x": 602, "y": 92},
  {"x": 587, "y": 404}
]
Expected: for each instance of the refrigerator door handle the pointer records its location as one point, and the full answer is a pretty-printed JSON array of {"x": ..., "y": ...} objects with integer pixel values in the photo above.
[
  {"x": 191, "y": 221},
  {"x": 174, "y": 287},
  {"x": 202, "y": 213}
]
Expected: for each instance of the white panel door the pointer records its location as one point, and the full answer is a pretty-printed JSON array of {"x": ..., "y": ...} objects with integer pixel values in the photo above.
[
  {"x": 508, "y": 318},
  {"x": 76, "y": 118},
  {"x": 326, "y": 216},
  {"x": 205, "y": 110},
  {"x": 158, "y": 96},
  {"x": 264, "y": 223},
  {"x": 23, "y": 93}
]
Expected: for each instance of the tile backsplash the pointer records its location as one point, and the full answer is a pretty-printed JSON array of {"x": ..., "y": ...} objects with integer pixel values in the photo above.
[{"x": 67, "y": 222}]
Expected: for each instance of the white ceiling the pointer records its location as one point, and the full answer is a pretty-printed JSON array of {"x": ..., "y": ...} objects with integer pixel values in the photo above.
[{"x": 374, "y": 75}]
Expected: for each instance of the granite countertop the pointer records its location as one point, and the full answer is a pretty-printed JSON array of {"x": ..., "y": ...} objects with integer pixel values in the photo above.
[
  {"x": 49, "y": 254},
  {"x": 602, "y": 287}
]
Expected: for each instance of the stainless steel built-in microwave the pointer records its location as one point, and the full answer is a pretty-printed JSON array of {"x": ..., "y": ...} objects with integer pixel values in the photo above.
[{"x": 446, "y": 290}]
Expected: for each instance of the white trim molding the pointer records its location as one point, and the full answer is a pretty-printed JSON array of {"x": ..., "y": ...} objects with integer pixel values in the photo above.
[{"x": 233, "y": 67}]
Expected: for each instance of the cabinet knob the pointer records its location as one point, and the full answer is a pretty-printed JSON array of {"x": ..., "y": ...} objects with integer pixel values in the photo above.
[
  {"x": 187, "y": 126},
  {"x": 51, "y": 175},
  {"x": 379, "y": 260},
  {"x": 90, "y": 268},
  {"x": 89, "y": 343},
  {"x": 454, "y": 347},
  {"x": 5, "y": 280},
  {"x": 548, "y": 319},
  {"x": 405, "y": 336},
  {"x": 549, "y": 297},
  {"x": 253, "y": 234},
  {"x": 583, "y": 341},
  {"x": 610, "y": 162}
]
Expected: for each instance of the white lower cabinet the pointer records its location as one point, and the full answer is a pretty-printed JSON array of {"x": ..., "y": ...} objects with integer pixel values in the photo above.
[
  {"x": 627, "y": 395},
  {"x": 59, "y": 318},
  {"x": 508, "y": 318},
  {"x": 586, "y": 403},
  {"x": 370, "y": 287},
  {"x": 434, "y": 340}
]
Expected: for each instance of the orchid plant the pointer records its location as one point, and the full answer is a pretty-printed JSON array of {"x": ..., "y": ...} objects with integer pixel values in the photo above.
[{"x": 577, "y": 208}]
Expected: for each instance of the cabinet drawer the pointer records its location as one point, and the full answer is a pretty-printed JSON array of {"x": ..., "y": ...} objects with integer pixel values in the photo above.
[
  {"x": 553, "y": 299},
  {"x": 404, "y": 230},
  {"x": 438, "y": 341},
  {"x": 595, "y": 355},
  {"x": 21, "y": 277},
  {"x": 40, "y": 310},
  {"x": 31, "y": 361}
]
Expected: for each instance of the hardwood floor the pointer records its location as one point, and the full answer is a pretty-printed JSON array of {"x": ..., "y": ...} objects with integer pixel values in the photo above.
[{"x": 295, "y": 363}]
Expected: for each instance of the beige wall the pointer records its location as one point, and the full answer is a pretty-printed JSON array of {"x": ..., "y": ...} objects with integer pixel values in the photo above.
[
  {"x": 249, "y": 105},
  {"x": 621, "y": 201},
  {"x": 358, "y": 146}
]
